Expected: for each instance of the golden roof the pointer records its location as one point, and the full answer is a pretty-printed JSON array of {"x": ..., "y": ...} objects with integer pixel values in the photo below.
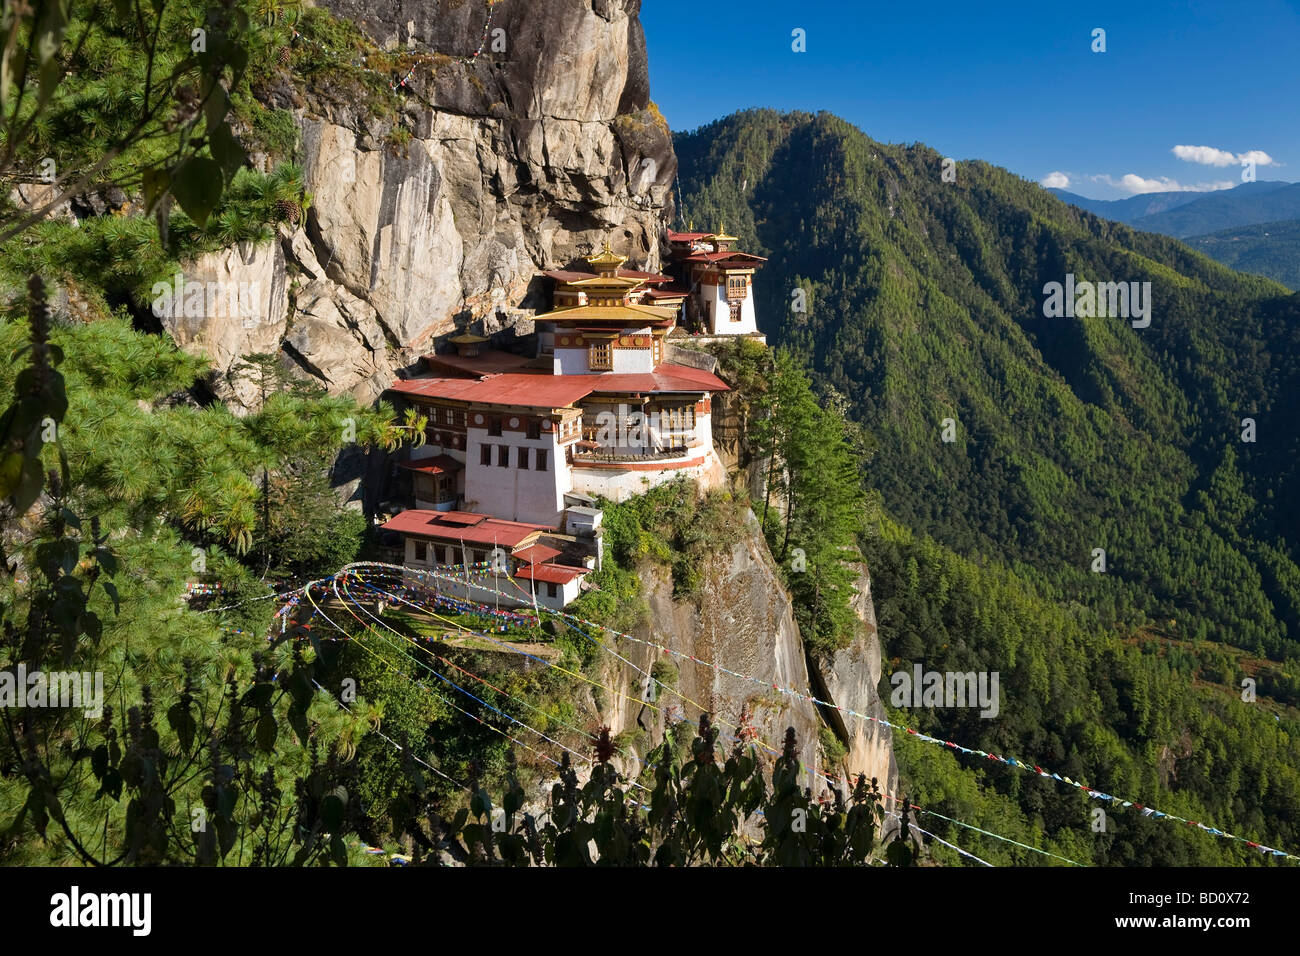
[
  {"x": 467, "y": 338},
  {"x": 606, "y": 281},
  {"x": 635, "y": 313},
  {"x": 721, "y": 236},
  {"x": 607, "y": 257}
]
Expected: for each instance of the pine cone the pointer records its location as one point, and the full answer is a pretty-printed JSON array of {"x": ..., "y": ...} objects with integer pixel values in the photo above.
[
  {"x": 287, "y": 209},
  {"x": 285, "y": 55}
]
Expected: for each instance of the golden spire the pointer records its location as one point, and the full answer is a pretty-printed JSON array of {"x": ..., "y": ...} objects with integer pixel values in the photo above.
[{"x": 607, "y": 257}]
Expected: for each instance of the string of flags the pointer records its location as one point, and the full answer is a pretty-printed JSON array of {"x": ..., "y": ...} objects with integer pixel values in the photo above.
[
  {"x": 390, "y": 570},
  {"x": 198, "y": 589},
  {"x": 753, "y": 738},
  {"x": 1091, "y": 792},
  {"x": 634, "y": 783},
  {"x": 450, "y": 683}
]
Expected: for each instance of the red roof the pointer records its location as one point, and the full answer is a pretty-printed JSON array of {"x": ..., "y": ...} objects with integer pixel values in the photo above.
[
  {"x": 487, "y": 360},
  {"x": 535, "y": 553},
  {"x": 550, "y": 573},
  {"x": 462, "y": 517},
  {"x": 688, "y": 236},
  {"x": 650, "y": 277},
  {"x": 530, "y": 390},
  {"x": 437, "y": 524},
  {"x": 568, "y": 275},
  {"x": 665, "y": 378},
  {"x": 437, "y": 465},
  {"x": 536, "y": 390},
  {"x": 670, "y": 293},
  {"x": 715, "y": 257}
]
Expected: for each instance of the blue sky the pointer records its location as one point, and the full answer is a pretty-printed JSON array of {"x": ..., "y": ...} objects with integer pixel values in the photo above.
[{"x": 1013, "y": 83}]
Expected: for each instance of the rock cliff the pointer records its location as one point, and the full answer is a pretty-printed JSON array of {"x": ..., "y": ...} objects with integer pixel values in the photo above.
[
  {"x": 743, "y": 621},
  {"x": 523, "y": 158}
]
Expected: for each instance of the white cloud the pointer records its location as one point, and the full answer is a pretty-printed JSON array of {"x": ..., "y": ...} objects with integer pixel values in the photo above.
[
  {"x": 1134, "y": 184},
  {"x": 1205, "y": 155},
  {"x": 1055, "y": 180},
  {"x": 1212, "y": 156},
  {"x": 1258, "y": 157}
]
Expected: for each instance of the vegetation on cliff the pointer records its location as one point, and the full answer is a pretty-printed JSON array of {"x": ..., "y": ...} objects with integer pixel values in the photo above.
[{"x": 812, "y": 507}]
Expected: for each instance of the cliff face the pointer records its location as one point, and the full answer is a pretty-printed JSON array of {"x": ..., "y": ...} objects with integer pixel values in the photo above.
[
  {"x": 530, "y": 155},
  {"x": 743, "y": 621},
  {"x": 850, "y": 678}
]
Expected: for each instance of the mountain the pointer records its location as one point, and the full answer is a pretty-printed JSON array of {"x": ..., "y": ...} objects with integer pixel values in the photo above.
[
  {"x": 1133, "y": 208},
  {"x": 1098, "y": 532},
  {"x": 1198, "y": 218},
  {"x": 1268, "y": 249},
  {"x": 1185, "y": 213},
  {"x": 1242, "y": 206}
]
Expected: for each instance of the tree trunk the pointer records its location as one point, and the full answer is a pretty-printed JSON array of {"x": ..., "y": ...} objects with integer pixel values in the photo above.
[
  {"x": 767, "y": 483},
  {"x": 789, "y": 511}
]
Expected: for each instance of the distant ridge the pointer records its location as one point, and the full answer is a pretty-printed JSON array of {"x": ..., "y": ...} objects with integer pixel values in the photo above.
[
  {"x": 1254, "y": 227},
  {"x": 1131, "y": 209},
  {"x": 1182, "y": 214}
]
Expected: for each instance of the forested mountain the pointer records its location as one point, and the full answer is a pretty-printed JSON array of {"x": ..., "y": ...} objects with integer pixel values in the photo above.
[
  {"x": 925, "y": 302},
  {"x": 1181, "y": 214},
  {"x": 1132, "y": 208},
  {"x": 1242, "y": 206},
  {"x": 1250, "y": 228},
  {"x": 1268, "y": 249}
]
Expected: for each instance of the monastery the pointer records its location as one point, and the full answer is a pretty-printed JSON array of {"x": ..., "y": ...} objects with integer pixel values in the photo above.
[{"x": 520, "y": 447}]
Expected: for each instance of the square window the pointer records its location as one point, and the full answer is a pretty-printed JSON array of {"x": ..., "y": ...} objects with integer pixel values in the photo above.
[
  {"x": 494, "y": 426},
  {"x": 534, "y": 428},
  {"x": 485, "y": 454},
  {"x": 503, "y": 456},
  {"x": 522, "y": 463},
  {"x": 602, "y": 356},
  {"x": 550, "y": 590},
  {"x": 541, "y": 459}
]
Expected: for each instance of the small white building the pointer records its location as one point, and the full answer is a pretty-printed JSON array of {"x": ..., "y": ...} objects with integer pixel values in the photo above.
[
  {"x": 487, "y": 560},
  {"x": 720, "y": 282}
]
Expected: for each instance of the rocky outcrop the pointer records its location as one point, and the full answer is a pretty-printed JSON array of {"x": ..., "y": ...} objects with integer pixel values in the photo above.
[
  {"x": 743, "y": 621},
  {"x": 493, "y": 168},
  {"x": 225, "y": 305},
  {"x": 850, "y": 678}
]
